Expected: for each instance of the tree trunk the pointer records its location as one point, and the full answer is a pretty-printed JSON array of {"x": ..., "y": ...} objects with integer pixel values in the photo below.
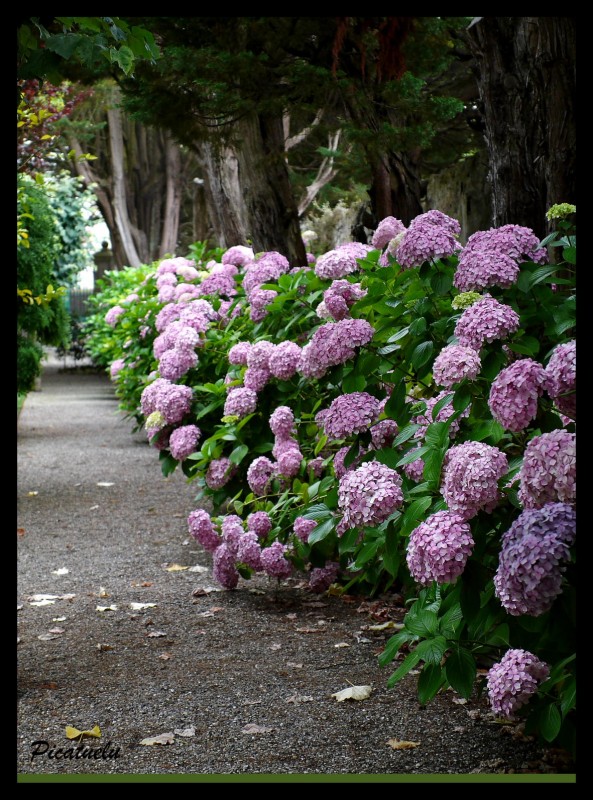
[
  {"x": 172, "y": 199},
  {"x": 223, "y": 194},
  {"x": 272, "y": 215},
  {"x": 526, "y": 73}
]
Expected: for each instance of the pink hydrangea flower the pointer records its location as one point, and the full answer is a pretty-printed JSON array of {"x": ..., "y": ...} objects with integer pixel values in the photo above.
[
  {"x": 455, "y": 363},
  {"x": 238, "y": 353},
  {"x": 260, "y": 523},
  {"x": 273, "y": 561},
  {"x": 302, "y": 527},
  {"x": 425, "y": 241},
  {"x": 203, "y": 529},
  {"x": 369, "y": 494},
  {"x": 219, "y": 473},
  {"x": 513, "y": 680},
  {"x": 321, "y": 578},
  {"x": 284, "y": 360},
  {"x": 240, "y": 402},
  {"x": 282, "y": 421},
  {"x": 259, "y": 475},
  {"x": 183, "y": 441},
  {"x": 113, "y": 315},
  {"x": 561, "y": 378},
  {"x": 439, "y": 547},
  {"x": 549, "y": 470},
  {"x": 485, "y": 321},
  {"x": 515, "y": 392},
  {"x": 386, "y": 230},
  {"x": 223, "y": 567},
  {"x": 471, "y": 472},
  {"x": 350, "y": 414}
]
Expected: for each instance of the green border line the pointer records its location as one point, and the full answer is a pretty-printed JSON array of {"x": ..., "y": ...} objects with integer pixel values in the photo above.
[{"x": 297, "y": 778}]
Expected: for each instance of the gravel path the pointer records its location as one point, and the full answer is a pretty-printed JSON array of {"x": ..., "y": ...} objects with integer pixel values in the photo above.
[{"x": 242, "y": 681}]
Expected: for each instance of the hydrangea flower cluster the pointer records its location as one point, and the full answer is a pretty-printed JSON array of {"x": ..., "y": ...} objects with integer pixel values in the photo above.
[
  {"x": 349, "y": 414},
  {"x": 321, "y": 578},
  {"x": 172, "y": 400},
  {"x": 515, "y": 392},
  {"x": 223, "y": 567},
  {"x": 561, "y": 378},
  {"x": 530, "y": 568},
  {"x": 425, "y": 418},
  {"x": 303, "y": 527},
  {"x": 259, "y": 354},
  {"x": 116, "y": 367},
  {"x": 249, "y": 551},
  {"x": 471, "y": 472},
  {"x": 386, "y": 230},
  {"x": 255, "y": 378},
  {"x": 486, "y": 321},
  {"x": 284, "y": 360},
  {"x": 560, "y": 211},
  {"x": 513, "y": 680},
  {"x": 338, "y": 462},
  {"x": 333, "y": 343},
  {"x": 383, "y": 433},
  {"x": 183, "y": 441},
  {"x": 203, "y": 529},
  {"x": 258, "y": 300},
  {"x": 239, "y": 255},
  {"x": 219, "y": 473},
  {"x": 548, "y": 473},
  {"x": 282, "y": 421},
  {"x": 428, "y": 238},
  {"x": 260, "y": 474},
  {"x": 368, "y": 495},
  {"x": 439, "y": 547},
  {"x": 240, "y": 401},
  {"x": 274, "y": 562},
  {"x": 174, "y": 363},
  {"x": 220, "y": 282},
  {"x": 465, "y": 300},
  {"x": 238, "y": 353},
  {"x": 339, "y": 298},
  {"x": 455, "y": 363},
  {"x": 113, "y": 315},
  {"x": 341, "y": 261},
  {"x": 260, "y": 523}
]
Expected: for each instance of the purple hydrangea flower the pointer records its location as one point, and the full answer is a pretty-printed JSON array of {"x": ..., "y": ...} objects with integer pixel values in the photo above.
[
  {"x": 339, "y": 298},
  {"x": 349, "y": 414},
  {"x": 439, "y": 547},
  {"x": 258, "y": 300},
  {"x": 238, "y": 353},
  {"x": 530, "y": 568},
  {"x": 174, "y": 363},
  {"x": 303, "y": 527},
  {"x": 171, "y": 399},
  {"x": 186, "y": 291},
  {"x": 341, "y": 261},
  {"x": 219, "y": 283},
  {"x": 203, "y": 529},
  {"x": 219, "y": 473},
  {"x": 166, "y": 294},
  {"x": 255, "y": 378},
  {"x": 166, "y": 315},
  {"x": 183, "y": 441},
  {"x": 232, "y": 531},
  {"x": 386, "y": 230},
  {"x": 549, "y": 470},
  {"x": 316, "y": 466},
  {"x": 240, "y": 402},
  {"x": 249, "y": 551},
  {"x": 238, "y": 255},
  {"x": 383, "y": 433},
  {"x": 514, "y": 680},
  {"x": 515, "y": 392},
  {"x": 259, "y": 475},
  {"x": 425, "y": 419},
  {"x": 223, "y": 567},
  {"x": 289, "y": 463},
  {"x": 273, "y": 561},
  {"x": 369, "y": 494},
  {"x": 166, "y": 279},
  {"x": 415, "y": 470},
  {"x": 338, "y": 462},
  {"x": 284, "y": 360},
  {"x": 486, "y": 321},
  {"x": 333, "y": 343},
  {"x": 282, "y": 421},
  {"x": 321, "y": 578},
  {"x": 455, "y": 363},
  {"x": 561, "y": 378},
  {"x": 283, "y": 444},
  {"x": 425, "y": 241},
  {"x": 471, "y": 472},
  {"x": 259, "y": 355},
  {"x": 113, "y": 315},
  {"x": 260, "y": 523},
  {"x": 116, "y": 367},
  {"x": 438, "y": 218}
]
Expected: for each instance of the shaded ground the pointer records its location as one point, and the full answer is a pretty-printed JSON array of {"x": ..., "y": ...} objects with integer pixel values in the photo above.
[{"x": 92, "y": 500}]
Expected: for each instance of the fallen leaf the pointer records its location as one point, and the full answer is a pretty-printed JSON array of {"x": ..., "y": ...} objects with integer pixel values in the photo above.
[
  {"x": 49, "y": 685},
  {"x": 300, "y": 698},
  {"x": 107, "y": 608},
  {"x": 175, "y": 568},
  {"x": 141, "y": 606},
  {"x": 315, "y": 604},
  {"x": 251, "y": 728},
  {"x": 253, "y": 702},
  {"x": 60, "y": 571},
  {"x": 459, "y": 729},
  {"x": 191, "y": 731},
  {"x": 93, "y": 508},
  {"x": 103, "y": 592},
  {"x": 291, "y": 616},
  {"x": 185, "y": 541},
  {"x": 67, "y": 597},
  {"x": 56, "y": 630},
  {"x": 105, "y": 647},
  {"x": 43, "y": 603},
  {"x": 162, "y": 738},
  {"x": 20, "y": 531},
  {"x": 294, "y": 665},
  {"x": 206, "y": 614},
  {"x": 361, "y": 639},
  {"x": 39, "y": 597},
  {"x": 256, "y": 591},
  {"x": 216, "y": 609},
  {"x": 197, "y": 568},
  {"x": 156, "y": 634},
  {"x": 105, "y": 483},
  {"x": 19, "y": 607},
  {"x": 200, "y": 592},
  {"x": 32, "y": 494},
  {"x": 384, "y": 625},
  {"x": 342, "y": 644},
  {"x": 275, "y": 647},
  {"x": 460, "y": 701},
  {"x": 59, "y": 619},
  {"x": 353, "y": 693},
  {"x": 308, "y": 630},
  {"x": 47, "y": 637},
  {"x": 165, "y": 656},
  {"x": 401, "y": 744},
  {"x": 74, "y": 733}
]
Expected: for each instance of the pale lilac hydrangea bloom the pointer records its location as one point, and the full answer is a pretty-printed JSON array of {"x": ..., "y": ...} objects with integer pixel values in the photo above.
[
  {"x": 341, "y": 260},
  {"x": 349, "y": 414},
  {"x": 386, "y": 230},
  {"x": 425, "y": 418},
  {"x": 549, "y": 470},
  {"x": 561, "y": 378},
  {"x": 333, "y": 343},
  {"x": 515, "y": 392},
  {"x": 188, "y": 272},
  {"x": 471, "y": 472},
  {"x": 249, "y": 551},
  {"x": 530, "y": 568},
  {"x": 166, "y": 279},
  {"x": 174, "y": 363},
  {"x": 232, "y": 531},
  {"x": 321, "y": 578},
  {"x": 439, "y": 218},
  {"x": 166, "y": 294},
  {"x": 162, "y": 440},
  {"x": 289, "y": 463},
  {"x": 455, "y": 363},
  {"x": 203, "y": 529},
  {"x": 439, "y": 547},
  {"x": 486, "y": 321},
  {"x": 513, "y": 680},
  {"x": 219, "y": 472},
  {"x": 415, "y": 470},
  {"x": 283, "y": 444},
  {"x": 368, "y": 495},
  {"x": 240, "y": 402},
  {"x": 259, "y": 475},
  {"x": 259, "y": 355},
  {"x": 238, "y": 353},
  {"x": 223, "y": 567},
  {"x": 171, "y": 399},
  {"x": 303, "y": 527},
  {"x": 480, "y": 269},
  {"x": 260, "y": 523},
  {"x": 284, "y": 360},
  {"x": 113, "y": 315},
  {"x": 273, "y": 561},
  {"x": 338, "y": 462},
  {"x": 183, "y": 441},
  {"x": 425, "y": 241},
  {"x": 166, "y": 315},
  {"x": 340, "y": 297},
  {"x": 238, "y": 254},
  {"x": 258, "y": 300},
  {"x": 116, "y": 367},
  {"x": 383, "y": 433},
  {"x": 184, "y": 292},
  {"x": 219, "y": 283},
  {"x": 316, "y": 466},
  {"x": 256, "y": 378},
  {"x": 282, "y": 421}
]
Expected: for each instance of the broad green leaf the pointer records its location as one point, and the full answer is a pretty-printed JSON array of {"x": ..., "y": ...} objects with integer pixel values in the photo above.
[
  {"x": 423, "y": 623},
  {"x": 432, "y": 650},
  {"x": 392, "y": 646},
  {"x": 414, "y": 513},
  {"x": 353, "y": 383},
  {"x": 460, "y": 671},
  {"x": 321, "y": 531},
  {"x": 317, "y": 511},
  {"x": 238, "y": 454},
  {"x": 406, "y": 434},
  {"x": 441, "y": 283},
  {"x": 421, "y": 354},
  {"x": 391, "y": 553},
  {"x": 407, "y": 664},
  {"x": 444, "y": 401},
  {"x": 367, "y": 552},
  {"x": 570, "y": 254},
  {"x": 412, "y": 455},
  {"x": 549, "y": 722},
  {"x": 387, "y": 456},
  {"x": 430, "y": 681},
  {"x": 569, "y": 695}
]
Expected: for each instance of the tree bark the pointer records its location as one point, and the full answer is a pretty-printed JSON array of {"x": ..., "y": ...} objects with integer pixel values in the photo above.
[
  {"x": 223, "y": 194},
  {"x": 526, "y": 73},
  {"x": 172, "y": 210}
]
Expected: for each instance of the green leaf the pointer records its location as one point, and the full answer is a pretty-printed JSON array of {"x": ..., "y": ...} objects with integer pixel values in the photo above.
[
  {"x": 407, "y": 664},
  {"x": 432, "y": 650},
  {"x": 462, "y": 399},
  {"x": 570, "y": 254},
  {"x": 353, "y": 383},
  {"x": 569, "y": 695},
  {"x": 64, "y": 44},
  {"x": 392, "y": 647},
  {"x": 405, "y": 434},
  {"x": 413, "y": 513},
  {"x": 460, "y": 671},
  {"x": 317, "y": 511},
  {"x": 444, "y": 401},
  {"x": 124, "y": 57},
  {"x": 430, "y": 681},
  {"x": 424, "y": 623},
  {"x": 413, "y": 455},
  {"x": 322, "y": 531},
  {"x": 441, "y": 283},
  {"x": 528, "y": 345},
  {"x": 367, "y": 552},
  {"x": 549, "y": 722},
  {"x": 387, "y": 456},
  {"x": 421, "y": 354},
  {"x": 238, "y": 454},
  {"x": 391, "y": 553}
]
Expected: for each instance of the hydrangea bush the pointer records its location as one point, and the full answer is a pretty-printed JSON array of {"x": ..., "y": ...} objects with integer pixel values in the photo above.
[{"x": 399, "y": 415}]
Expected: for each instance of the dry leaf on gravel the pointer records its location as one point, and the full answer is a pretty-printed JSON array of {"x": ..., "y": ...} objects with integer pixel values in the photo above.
[
  {"x": 59, "y": 619},
  {"x": 191, "y": 731},
  {"x": 175, "y": 568},
  {"x": 156, "y": 634},
  {"x": 197, "y": 568},
  {"x": 60, "y": 571},
  {"x": 42, "y": 603},
  {"x": 353, "y": 693},
  {"x": 300, "y": 698},
  {"x": 162, "y": 738},
  {"x": 47, "y": 637},
  {"x": 107, "y": 608},
  {"x": 19, "y": 607},
  {"x": 342, "y": 644},
  {"x": 275, "y": 647},
  {"x": 74, "y": 733},
  {"x": 309, "y": 630},
  {"x": 32, "y": 494},
  {"x": 105, "y": 483},
  {"x": 56, "y": 630},
  {"x": 105, "y": 647},
  {"x": 141, "y": 606},
  {"x": 251, "y": 728},
  {"x": 165, "y": 656},
  {"x": 401, "y": 744},
  {"x": 294, "y": 665}
]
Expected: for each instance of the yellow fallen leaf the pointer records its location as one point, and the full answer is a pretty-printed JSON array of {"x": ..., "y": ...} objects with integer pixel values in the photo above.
[
  {"x": 384, "y": 625},
  {"x": 107, "y": 608},
  {"x": 353, "y": 693},
  {"x": 32, "y": 494},
  {"x": 74, "y": 733},
  {"x": 141, "y": 606},
  {"x": 401, "y": 744},
  {"x": 175, "y": 568},
  {"x": 163, "y": 738}
]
